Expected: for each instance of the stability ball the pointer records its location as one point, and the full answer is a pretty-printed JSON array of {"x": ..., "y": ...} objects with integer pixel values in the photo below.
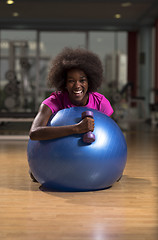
[{"x": 70, "y": 164}]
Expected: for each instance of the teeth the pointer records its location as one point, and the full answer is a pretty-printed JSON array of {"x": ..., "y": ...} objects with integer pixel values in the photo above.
[{"x": 77, "y": 92}]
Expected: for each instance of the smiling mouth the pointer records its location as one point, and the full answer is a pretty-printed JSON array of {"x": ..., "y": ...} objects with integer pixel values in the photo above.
[
  {"x": 78, "y": 92},
  {"x": 78, "y": 97}
]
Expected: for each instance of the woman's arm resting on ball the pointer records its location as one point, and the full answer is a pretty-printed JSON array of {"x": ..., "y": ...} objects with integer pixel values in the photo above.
[{"x": 40, "y": 131}]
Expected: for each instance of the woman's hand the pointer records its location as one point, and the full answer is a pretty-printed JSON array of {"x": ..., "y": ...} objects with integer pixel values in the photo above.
[{"x": 85, "y": 125}]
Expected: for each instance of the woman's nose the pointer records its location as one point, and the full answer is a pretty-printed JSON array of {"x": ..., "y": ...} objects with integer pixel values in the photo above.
[{"x": 77, "y": 84}]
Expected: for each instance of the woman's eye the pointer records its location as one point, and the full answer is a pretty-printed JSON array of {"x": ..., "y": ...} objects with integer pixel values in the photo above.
[
  {"x": 83, "y": 80},
  {"x": 70, "y": 80}
]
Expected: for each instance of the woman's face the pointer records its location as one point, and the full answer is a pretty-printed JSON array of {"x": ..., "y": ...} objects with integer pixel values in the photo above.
[{"x": 77, "y": 87}]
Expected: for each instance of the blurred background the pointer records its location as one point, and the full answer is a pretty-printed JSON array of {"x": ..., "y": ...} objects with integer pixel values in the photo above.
[{"x": 123, "y": 33}]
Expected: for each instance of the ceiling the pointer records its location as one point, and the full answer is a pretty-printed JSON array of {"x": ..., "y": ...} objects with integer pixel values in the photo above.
[{"x": 78, "y": 14}]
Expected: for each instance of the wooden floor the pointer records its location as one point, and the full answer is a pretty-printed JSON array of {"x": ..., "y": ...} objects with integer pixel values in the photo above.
[{"x": 126, "y": 211}]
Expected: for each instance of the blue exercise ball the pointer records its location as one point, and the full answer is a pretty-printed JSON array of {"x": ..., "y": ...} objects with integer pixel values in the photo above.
[{"x": 69, "y": 164}]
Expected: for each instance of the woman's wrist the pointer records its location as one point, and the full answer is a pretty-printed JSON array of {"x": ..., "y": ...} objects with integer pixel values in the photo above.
[{"x": 75, "y": 129}]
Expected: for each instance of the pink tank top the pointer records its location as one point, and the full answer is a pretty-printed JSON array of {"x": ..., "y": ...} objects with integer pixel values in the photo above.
[{"x": 60, "y": 100}]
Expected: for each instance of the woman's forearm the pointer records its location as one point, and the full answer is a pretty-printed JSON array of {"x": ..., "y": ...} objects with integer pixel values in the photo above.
[{"x": 47, "y": 133}]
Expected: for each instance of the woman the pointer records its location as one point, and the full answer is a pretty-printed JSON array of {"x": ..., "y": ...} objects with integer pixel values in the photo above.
[{"x": 76, "y": 74}]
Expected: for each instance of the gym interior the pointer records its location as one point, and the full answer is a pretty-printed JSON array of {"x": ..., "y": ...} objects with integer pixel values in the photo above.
[{"x": 124, "y": 34}]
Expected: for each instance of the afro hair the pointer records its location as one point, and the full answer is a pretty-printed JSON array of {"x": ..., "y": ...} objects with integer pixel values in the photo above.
[{"x": 78, "y": 58}]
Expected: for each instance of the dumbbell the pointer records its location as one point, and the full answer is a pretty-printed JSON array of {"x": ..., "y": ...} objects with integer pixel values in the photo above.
[{"x": 88, "y": 137}]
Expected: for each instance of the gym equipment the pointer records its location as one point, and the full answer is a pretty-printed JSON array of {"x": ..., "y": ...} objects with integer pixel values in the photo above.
[
  {"x": 88, "y": 137},
  {"x": 70, "y": 164}
]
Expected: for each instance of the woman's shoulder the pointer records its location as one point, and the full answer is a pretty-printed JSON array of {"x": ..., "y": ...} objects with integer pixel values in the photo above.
[
  {"x": 55, "y": 101},
  {"x": 102, "y": 103},
  {"x": 97, "y": 95}
]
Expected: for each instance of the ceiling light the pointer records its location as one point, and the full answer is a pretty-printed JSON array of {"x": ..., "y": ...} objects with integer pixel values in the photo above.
[
  {"x": 117, "y": 15},
  {"x": 15, "y": 14},
  {"x": 10, "y": 2},
  {"x": 126, "y": 4}
]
